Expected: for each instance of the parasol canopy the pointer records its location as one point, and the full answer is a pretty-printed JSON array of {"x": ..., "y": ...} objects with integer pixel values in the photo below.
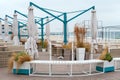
[
  {"x": 94, "y": 25},
  {"x": 47, "y": 29},
  {"x": 1, "y": 30},
  {"x": 6, "y": 30},
  {"x": 30, "y": 45},
  {"x": 15, "y": 30},
  {"x": 93, "y": 32}
]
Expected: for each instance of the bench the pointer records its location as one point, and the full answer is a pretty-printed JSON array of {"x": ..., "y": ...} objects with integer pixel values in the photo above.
[
  {"x": 70, "y": 64},
  {"x": 117, "y": 64}
]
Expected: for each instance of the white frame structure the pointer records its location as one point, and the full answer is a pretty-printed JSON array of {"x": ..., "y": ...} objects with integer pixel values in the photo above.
[{"x": 68, "y": 63}]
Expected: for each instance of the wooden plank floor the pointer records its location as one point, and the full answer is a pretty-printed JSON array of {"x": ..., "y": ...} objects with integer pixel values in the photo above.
[{"x": 4, "y": 75}]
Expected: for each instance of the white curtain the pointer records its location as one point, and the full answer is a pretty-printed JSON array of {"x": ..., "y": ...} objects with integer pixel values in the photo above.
[
  {"x": 1, "y": 30},
  {"x": 15, "y": 30},
  {"x": 6, "y": 30},
  {"x": 30, "y": 45},
  {"x": 94, "y": 25},
  {"x": 36, "y": 32},
  {"x": 47, "y": 29},
  {"x": 93, "y": 32}
]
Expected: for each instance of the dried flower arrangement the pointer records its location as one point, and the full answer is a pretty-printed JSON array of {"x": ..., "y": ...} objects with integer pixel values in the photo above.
[
  {"x": 19, "y": 58},
  {"x": 45, "y": 44},
  {"x": 80, "y": 38},
  {"x": 80, "y": 35},
  {"x": 67, "y": 46},
  {"x": 106, "y": 55}
]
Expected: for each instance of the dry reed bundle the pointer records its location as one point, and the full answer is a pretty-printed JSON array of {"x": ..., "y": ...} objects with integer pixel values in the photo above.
[
  {"x": 67, "y": 46},
  {"x": 80, "y": 35},
  {"x": 87, "y": 47},
  {"x": 19, "y": 58},
  {"x": 105, "y": 51},
  {"x": 106, "y": 55},
  {"x": 45, "y": 43}
]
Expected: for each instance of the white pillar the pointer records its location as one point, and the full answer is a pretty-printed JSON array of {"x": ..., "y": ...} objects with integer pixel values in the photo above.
[{"x": 94, "y": 26}]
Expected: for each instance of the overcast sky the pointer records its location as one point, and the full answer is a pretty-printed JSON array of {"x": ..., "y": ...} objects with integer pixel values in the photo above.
[{"x": 107, "y": 10}]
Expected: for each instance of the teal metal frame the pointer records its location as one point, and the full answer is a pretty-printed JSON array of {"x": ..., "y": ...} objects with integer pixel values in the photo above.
[
  {"x": 19, "y": 25},
  {"x": 4, "y": 20},
  {"x": 40, "y": 22},
  {"x": 65, "y": 20}
]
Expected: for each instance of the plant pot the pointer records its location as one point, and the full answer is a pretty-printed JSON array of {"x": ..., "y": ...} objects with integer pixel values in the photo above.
[
  {"x": 106, "y": 66},
  {"x": 67, "y": 54},
  {"x": 23, "y": 69},
  {"x": 43, "y": 49},
  {"x": 80, "y": 53},
  {"x": 87, "y": 55},
  {"x": 39, "y": 48}
]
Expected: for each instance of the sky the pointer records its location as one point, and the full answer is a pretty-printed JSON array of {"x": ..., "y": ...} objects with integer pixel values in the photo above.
[{"x": 107, "y": 10}]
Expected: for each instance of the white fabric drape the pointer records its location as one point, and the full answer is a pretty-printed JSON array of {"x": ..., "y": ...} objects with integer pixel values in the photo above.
[
  {"x": 36, "y": 32},
  {"x": 1, "y": 30},
  {"x": 15, "y": 30},
  {"x": 93, "y": 32},
  {"x": 30, "y": 45},
  {"x": 94, "y": 25},
  {"x": 6, "y": 30},
  {"x": 47, "y": 29}
]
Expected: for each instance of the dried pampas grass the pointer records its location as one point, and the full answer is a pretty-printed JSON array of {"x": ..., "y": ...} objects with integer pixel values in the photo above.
[
  {"x": 19, "y": 58},
  {"x": 80, "y": 35}
]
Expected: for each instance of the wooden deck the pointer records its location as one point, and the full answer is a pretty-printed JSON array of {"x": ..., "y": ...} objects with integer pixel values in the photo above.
[{"x": 5, "y": 75}]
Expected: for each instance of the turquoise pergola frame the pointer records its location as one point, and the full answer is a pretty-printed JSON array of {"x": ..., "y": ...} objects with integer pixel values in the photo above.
[
  {"x": 4, "y": 20},
  {"x": 64, "y": 20},
  {"x": 19, "y": 25},
  {"x": 40, "y": 22}
]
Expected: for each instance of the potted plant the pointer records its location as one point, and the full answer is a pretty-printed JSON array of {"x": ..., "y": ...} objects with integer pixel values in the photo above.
[
  {"x": 39, "y": 44},
  {"x": 67, "y": 51},
  {"x": 108, "y": 65},
  {"x": 18, "y": 63},
  {"x": 67, "y": 46},
  {"x": 44, "y": 46},
  {"x": 87, "y": 47},
  {"x": 80, "y": 44}
]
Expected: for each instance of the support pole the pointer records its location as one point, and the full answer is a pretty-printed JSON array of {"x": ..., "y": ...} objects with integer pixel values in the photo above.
[
  {"x": 42, "y": 33},
  {"x": 19, "y": 30},
  {"x": 65, "y": 28}
]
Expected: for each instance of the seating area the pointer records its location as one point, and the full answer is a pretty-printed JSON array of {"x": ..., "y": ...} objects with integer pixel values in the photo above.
[
  {"x": 42, "y": 41},
  {"x": 69, "y": 64},
  {"x": 94, "y": 67}
]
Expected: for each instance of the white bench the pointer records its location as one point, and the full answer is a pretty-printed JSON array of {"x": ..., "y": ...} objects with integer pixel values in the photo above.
[
  {"x": 117, "y": 64},
  {"x": 68, "y": 63}
]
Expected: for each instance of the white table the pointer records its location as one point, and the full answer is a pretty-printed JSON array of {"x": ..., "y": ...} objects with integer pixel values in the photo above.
[{"x": 69, "y": 63}]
